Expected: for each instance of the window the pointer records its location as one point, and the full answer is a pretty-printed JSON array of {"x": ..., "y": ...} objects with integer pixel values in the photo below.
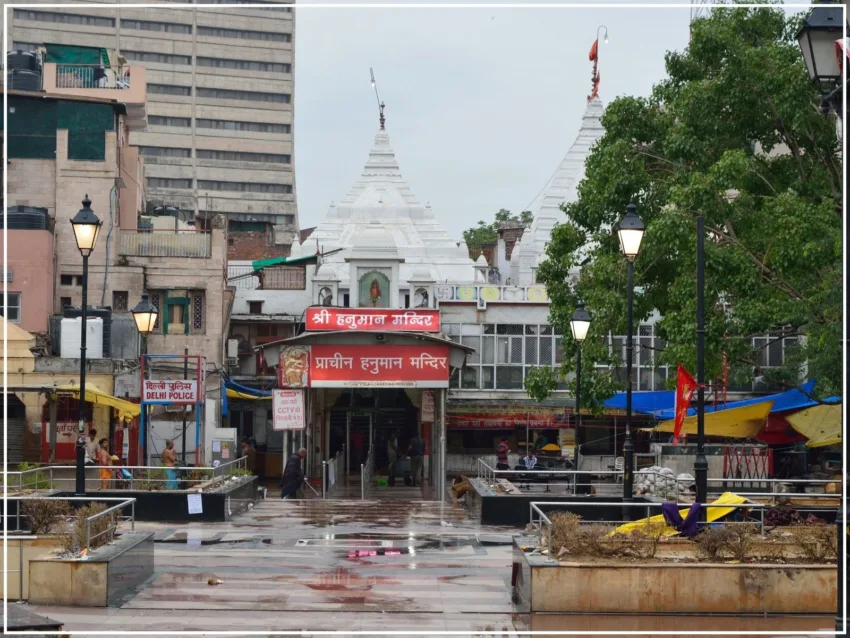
[
  {"x": 159, "y": 120},
  {"x": 13, "y": 307},
  {"x": 162, "y": 151},
  {"x": 250, "y": 96},
  {"x": 120, "y": 300},
  {"x": 255, "y": 127},
  {"x": 162, "y": 58},
  {"x": 243, "y": 34},
  {"x": 181, "y": 311},
  {"x": 244, "y": 187},
  {"x": 164, "y": 182},
  {"x": 255, "y": 307},
  {"x": 64, "y": 18},
  {"x": 70, "y": 280},
  {"x": 169, "y": 89},
  {"x": 245, "y": 65},
  {"x": 246, "y": 227},
  {"x": 147, "y": 25},
  {"x": 237, "y": 156}
]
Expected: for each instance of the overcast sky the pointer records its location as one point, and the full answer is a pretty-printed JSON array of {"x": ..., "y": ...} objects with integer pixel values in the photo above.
[{"x": 482, "y": 104}]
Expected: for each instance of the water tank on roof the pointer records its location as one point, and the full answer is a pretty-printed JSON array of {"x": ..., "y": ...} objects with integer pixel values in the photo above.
[
  {"x": 27, "y": 218},
  {"x": 105, "y": 314},
  {"x": 23, "y": 60},
  {"x": 23, "y": 80},
  {"x": 69, "y": 345}
]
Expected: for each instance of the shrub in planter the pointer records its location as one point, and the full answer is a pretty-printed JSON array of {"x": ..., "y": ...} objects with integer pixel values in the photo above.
[
  {"x": 74, "y": 540},
  {"x": 818, "y": 542},
  {"x": 44, "y": 514}
]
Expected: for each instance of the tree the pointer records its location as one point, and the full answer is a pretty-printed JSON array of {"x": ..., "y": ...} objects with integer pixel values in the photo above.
[
  {"x": 487, "y": 234},
  {"x": 735, "y": 133}
]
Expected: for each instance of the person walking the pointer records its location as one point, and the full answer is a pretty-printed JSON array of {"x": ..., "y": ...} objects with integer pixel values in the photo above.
[
  {"x": 91, "y": 448},
  {"x": 392, "y": 456},
  {"x": 502, "y": 451},
  {"x": 250, "y": 455},
  {"x": 416, "y": 452},
  {"x": 293, "y": 476},
  {"x": 169, "y": 460},
  {"x": 104, "y": 460}
]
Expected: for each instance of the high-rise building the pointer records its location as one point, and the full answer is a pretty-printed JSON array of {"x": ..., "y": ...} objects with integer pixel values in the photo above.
[{"x": 219, "y": 136}]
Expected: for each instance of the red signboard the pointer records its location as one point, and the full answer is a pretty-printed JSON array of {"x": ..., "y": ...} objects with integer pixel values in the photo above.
[
  {"x": 372, "y": 320},
  {"x": 425, "y": 366}
]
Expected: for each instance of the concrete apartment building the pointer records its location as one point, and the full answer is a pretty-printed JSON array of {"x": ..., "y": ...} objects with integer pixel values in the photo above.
[{"x": 220, "y": 99}]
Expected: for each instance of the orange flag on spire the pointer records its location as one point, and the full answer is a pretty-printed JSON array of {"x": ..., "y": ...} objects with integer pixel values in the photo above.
[{"x": 594, "y": 51}]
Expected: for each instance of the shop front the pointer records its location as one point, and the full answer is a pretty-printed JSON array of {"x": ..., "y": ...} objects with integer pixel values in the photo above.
[{"x": 367, "y": 375}]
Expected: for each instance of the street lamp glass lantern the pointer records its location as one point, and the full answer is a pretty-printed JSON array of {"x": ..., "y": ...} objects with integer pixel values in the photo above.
[
  {"x": 86, "y": 227},
  {"x": 630, "y": 231},
  {"x": 145, "y": 315},
  {"x": 821, "y": 28},
  {"x": 580, "y": 323}
]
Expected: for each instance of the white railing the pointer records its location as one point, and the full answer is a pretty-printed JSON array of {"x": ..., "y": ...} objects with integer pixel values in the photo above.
[
  {"x": 86, "y": 76},
  {"x": 332, "y": 472},
  {"x": 367, "y": 470},
  {"x": 192, "y": 243}
]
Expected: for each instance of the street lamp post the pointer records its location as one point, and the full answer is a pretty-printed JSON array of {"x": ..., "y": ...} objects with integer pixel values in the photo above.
[
  {"x": 86, "y": 228},
  {"x": 579, "y": 325},
  {"x": 145, "y": 315},
  {"x": 701, "y": 463},
  {"x": 630, "y": 231}
]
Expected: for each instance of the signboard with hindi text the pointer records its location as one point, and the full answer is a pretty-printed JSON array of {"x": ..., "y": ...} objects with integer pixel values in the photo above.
[
  {"x": 425, "y": 366},
  {"x": 372, "y": 320},
  {"x": 288, "y": 409},
  {"x": 170, "y": 391}
]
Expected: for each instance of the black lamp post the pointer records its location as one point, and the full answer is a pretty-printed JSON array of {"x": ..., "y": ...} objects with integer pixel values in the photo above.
[
  {"x": 579, "y": 325},
  {"x": 821, "y": 28},
  {"x": 701, "y": 463},
  {"x": 86, "y": 227},
  {"x": 145, "y": 315},
  {"x": 630, "y": 231}
]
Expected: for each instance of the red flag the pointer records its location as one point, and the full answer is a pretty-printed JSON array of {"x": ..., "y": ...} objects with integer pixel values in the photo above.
[
  {"x": 594, "y": 50},
  {"x": 685, "y": 386}
]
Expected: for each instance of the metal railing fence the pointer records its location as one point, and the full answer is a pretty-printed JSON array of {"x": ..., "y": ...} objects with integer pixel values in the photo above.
[
  {"x": 331, "y": 472},
  {"x": 367, "y": 470}
]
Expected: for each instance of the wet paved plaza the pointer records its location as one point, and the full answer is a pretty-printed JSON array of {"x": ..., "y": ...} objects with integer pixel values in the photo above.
[{"x": 372, "y": 566}]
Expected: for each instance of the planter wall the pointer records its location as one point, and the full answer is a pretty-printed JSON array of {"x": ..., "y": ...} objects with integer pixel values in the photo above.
[
  {"x": 33, "y": 547},
  {"x": 110, "y": 574},
  {"x": 542, "y": 585}
]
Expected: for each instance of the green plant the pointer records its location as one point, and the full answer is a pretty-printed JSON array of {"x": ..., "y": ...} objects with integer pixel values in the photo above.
[
  {"x": 44, "y": 513},
  {"x": 101, "y": 529},
  {"x": 154, "y": 481},
  {"x": 33, "y": 480},
  {"x": 195, "y": 477},
  {"x": 241, "y": 472}
]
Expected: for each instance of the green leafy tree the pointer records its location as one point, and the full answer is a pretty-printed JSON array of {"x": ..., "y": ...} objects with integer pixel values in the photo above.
[
  {"x": 485, "y": 234},
  {"x": 734, "y": 133}
]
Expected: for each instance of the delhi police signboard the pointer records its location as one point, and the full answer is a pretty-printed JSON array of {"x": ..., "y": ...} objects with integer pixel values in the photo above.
[{"x": 170, "y": 392}]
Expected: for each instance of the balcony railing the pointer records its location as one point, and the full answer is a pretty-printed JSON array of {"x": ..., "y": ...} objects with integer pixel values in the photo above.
[
  {"x": 168, "y": 243},
  {"x": 87, "y": 76}
]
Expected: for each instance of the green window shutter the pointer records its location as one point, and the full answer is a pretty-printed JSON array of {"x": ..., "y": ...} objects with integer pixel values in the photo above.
[
  {"x": 66, "y": 54},
  {"x": 87, "y": 125},
  {"x": 32, "y": 128}
]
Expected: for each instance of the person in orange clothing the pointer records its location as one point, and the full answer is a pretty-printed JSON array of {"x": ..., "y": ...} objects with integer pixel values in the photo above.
[{"x": 104, "y": 460}]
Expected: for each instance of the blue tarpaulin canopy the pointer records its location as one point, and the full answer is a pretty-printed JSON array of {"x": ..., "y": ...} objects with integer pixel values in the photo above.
[{"x": 643, "y": 402}]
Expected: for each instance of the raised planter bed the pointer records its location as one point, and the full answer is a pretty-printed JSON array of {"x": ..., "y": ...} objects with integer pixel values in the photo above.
[
  {"x": 111, "y": 573},
  {"x": 657, "y": 587},
  {"x": 491, "y": 507},
  {"x": 172, "y": 506}
]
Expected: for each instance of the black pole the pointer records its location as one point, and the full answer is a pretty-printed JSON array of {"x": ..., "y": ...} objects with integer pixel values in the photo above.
[
  {"x": 842, "y": 547},
  {"x": 185, "y": 376},
  {"x": 581, "y": 486},
  {"x": 628, "y": 446},
  {"x": 81, "y": 428},
  {"x": 701, "y": 463}
]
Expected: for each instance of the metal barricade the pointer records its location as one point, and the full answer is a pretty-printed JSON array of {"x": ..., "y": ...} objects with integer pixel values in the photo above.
[{"x": 367, "y": 470}]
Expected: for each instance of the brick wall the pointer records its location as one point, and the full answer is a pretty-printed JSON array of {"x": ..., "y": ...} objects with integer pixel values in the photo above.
[{"x": 250, "y": 246}]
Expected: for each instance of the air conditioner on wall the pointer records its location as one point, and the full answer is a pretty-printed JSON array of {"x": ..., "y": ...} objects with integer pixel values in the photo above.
[{"x": 232, "y": 361}]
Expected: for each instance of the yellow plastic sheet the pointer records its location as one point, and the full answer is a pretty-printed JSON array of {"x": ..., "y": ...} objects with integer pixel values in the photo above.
[
  {"x": 712, "y": 514},
  {"x": 126, "y": 411},
  {"x": 821, "y": 424},
  {"x": 740, "y": 423},
  {"x": 235, "y": 394}
]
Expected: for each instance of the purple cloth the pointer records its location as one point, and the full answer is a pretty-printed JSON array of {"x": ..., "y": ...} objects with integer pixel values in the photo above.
[{"x": 687, "y": 527}]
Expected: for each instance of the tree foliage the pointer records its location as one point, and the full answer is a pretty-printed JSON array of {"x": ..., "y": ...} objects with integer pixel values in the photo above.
[
  {"x": 485, "y": 234},
  {"x": 735, "y": 133}
]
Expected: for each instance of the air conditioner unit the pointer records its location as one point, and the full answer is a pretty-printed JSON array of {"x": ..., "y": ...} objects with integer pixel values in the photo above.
[
  {"x": 482, "y": 304},
  {"x": 232, "y": 361}
]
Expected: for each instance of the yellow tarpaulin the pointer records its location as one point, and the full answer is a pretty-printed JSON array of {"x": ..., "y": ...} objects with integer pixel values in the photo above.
[
  {"x": 740, "y": 423},
  {"x": 235, "y": 394},
  {"x": 126, "y": 411},
  {"x": 820, "y": 424},
  {"x": 712, "y": 514}
]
